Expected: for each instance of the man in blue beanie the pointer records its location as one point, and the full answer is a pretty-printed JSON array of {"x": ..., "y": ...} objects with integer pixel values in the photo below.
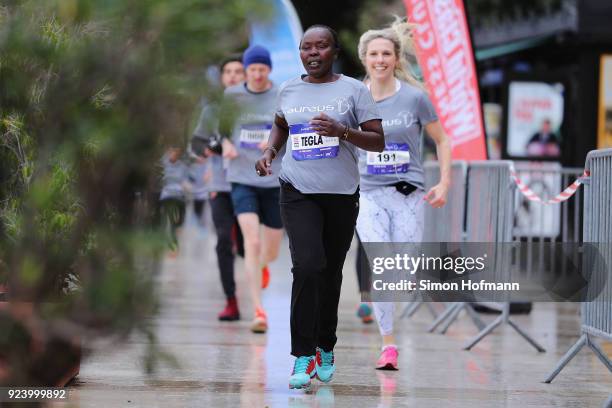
[
  {"x": 258, "y": 65},
  {"x": 255, "y": 199}
]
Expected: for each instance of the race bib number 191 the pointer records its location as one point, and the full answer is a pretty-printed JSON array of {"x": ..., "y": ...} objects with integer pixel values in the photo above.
[
  {"x": 251, "y": 136},
  {"x": 394, "y": 159},
  {"x": 306, "y": 144}
]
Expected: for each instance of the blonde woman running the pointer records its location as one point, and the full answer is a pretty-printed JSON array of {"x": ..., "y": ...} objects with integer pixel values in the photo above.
[{"x": 392, "y": 192}]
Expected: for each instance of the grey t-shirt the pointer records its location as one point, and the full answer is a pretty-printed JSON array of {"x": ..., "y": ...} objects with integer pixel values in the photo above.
[
  {"x": 320, "y": 164},
  {"x": 199, "y": 187},
  {"x": 404, "y": 115},
  {"x": 250, "y": 128},
  {"x": 173, "y": 177},
  {"x": 207, "y": 130},
  {"x": 218, "y": 180}
]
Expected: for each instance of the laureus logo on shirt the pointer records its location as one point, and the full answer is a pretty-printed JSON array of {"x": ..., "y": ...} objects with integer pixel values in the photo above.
[
  {"x": 343, "y": 104},
  {"x": 250, "y": 116},
  {"x": 403, "y": 118},
  {"x": 312, "y": 109},
  {"x": 340, "y": 105}
]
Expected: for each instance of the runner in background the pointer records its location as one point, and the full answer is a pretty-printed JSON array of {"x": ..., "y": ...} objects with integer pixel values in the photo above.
[
  {"x": 198, "y": 180},
  {"x": 364, "y": 311},
  {"x": 323, "y": 113},
  {"x": 172, "y": 197},
  {"x": 245, "y": 126},
  {"x": 206, "y": 142},
  {"x": 393, "y": 197}
]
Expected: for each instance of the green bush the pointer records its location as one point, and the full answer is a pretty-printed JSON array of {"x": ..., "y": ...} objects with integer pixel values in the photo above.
[{"x": 91, "y": 92}]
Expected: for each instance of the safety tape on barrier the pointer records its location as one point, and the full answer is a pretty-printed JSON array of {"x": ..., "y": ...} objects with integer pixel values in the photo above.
[{"x": 559, "y": 198}]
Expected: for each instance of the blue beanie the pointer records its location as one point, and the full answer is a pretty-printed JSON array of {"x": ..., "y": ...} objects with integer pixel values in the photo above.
[{"x": 256, "y": 54}]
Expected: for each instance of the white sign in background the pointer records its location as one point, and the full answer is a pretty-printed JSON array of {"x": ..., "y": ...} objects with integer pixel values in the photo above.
[{"x": 529, "y": 104}]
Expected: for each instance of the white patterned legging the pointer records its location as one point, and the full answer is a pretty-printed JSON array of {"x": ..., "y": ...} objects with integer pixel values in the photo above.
[{"x": 386, "y": 215}]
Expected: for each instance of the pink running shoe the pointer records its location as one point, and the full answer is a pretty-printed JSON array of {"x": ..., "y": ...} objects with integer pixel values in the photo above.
[{"x": 387, "y": 359}]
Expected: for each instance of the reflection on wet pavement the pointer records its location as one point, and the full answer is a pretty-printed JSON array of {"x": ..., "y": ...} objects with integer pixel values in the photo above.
[{"x": 224, "y": 364}]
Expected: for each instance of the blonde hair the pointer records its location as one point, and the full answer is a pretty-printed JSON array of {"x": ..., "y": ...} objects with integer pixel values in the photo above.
[{"x": 400, "y": 34}]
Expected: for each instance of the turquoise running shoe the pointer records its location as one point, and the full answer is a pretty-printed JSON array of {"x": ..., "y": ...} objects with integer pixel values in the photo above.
[
  {"x": 303, "y": 371},
  {"x": 325, "y": 365}
]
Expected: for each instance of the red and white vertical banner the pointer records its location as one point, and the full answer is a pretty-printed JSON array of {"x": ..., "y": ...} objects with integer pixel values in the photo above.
[{"x": 444, "y": 51}]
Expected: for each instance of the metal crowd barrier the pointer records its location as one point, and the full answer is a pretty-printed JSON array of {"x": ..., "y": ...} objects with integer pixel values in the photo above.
[
  {"x": 534, "y": 225},
  {"x": 596, "y": 315},
  {"x": 446, "y": 224},
  {"x": 538, "y": 226},
  {"x": 498, "y": 213},
  {"x": 489, "y": 218},
  {"x": 535, "y": 221},
  {"x": 442, "y": 224},
  {"x": 484, "y": 192}
]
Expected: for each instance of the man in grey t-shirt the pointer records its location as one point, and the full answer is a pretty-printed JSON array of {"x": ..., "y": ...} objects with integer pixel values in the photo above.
[
  {"x": 204, "y": 142},
  {"x": 256, "y": 200},
  {"x": 249, "y": 134}
]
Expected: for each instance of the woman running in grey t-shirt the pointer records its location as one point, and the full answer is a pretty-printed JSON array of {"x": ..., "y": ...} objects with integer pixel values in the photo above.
[
  {"x": 321, "y": 113},
  {"x": 392, "y": 189}
]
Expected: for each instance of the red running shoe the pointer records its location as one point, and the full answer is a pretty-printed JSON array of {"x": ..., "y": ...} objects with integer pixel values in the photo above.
[
  {"x": 231, "y": 312},
  {"x": 265, "y": 277},
  {"x": 260, "y": 323}
]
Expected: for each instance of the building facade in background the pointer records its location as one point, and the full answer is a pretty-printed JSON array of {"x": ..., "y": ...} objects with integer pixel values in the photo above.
[{"x": 544, "y": 65}]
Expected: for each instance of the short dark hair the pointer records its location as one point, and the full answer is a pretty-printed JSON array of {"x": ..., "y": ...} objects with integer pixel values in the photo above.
[
  {"x": 333, "y": 33},
  {"x": 231, "y": 58}
]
